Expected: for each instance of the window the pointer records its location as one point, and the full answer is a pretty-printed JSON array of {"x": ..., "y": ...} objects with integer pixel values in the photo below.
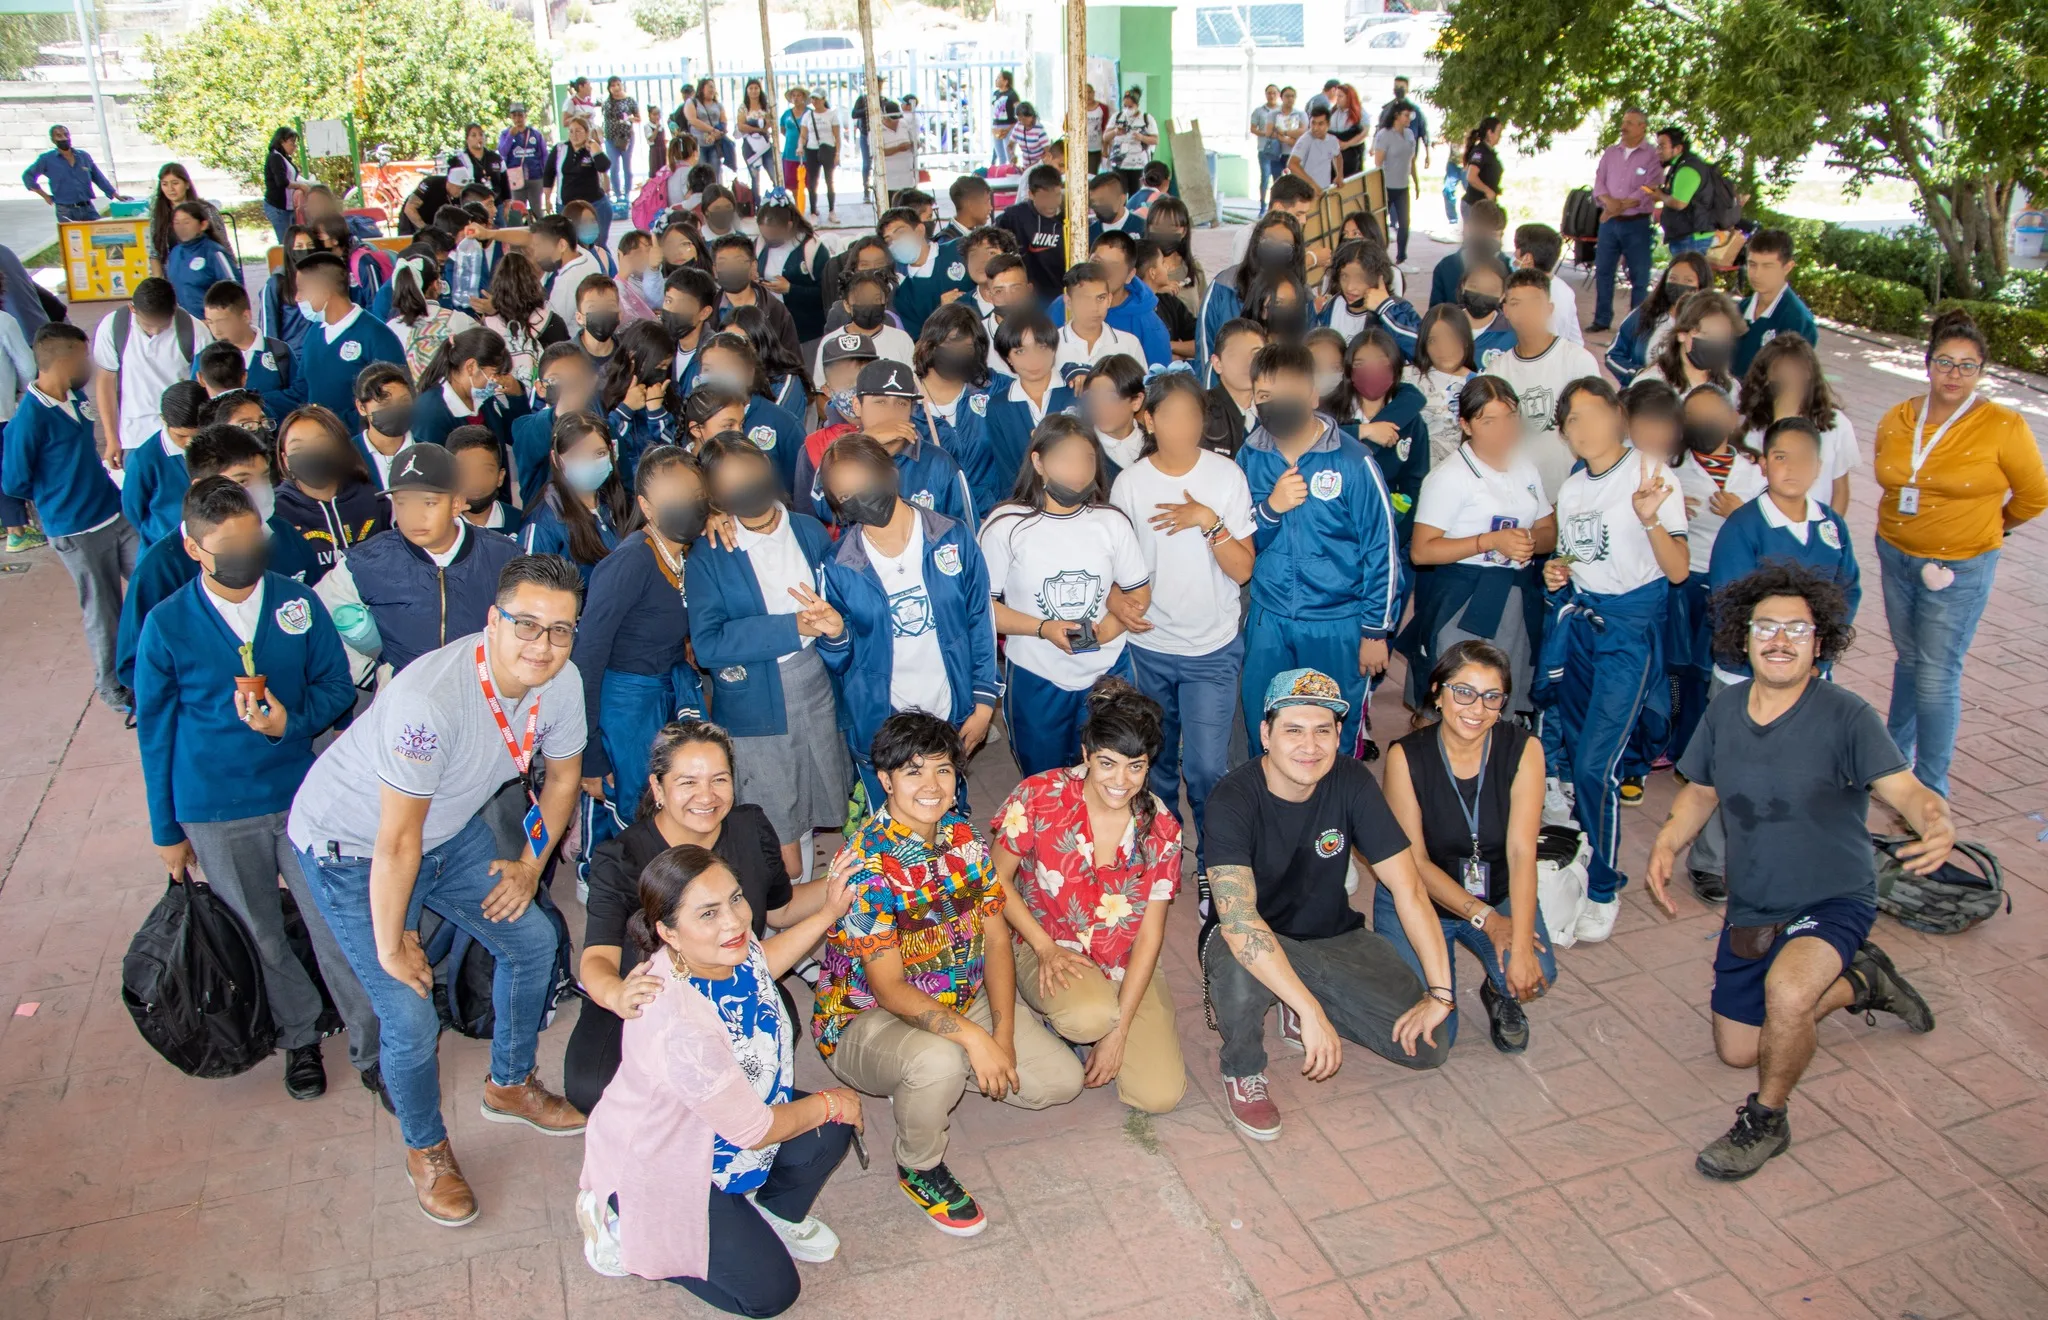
[
  {"x": 1267, "y": 25},
  {"x": 1394, "y": 39}
]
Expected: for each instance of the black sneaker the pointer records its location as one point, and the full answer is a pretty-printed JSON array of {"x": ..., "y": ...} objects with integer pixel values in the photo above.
[
  {"x": 305, "y": 1077},
  {"x": 1368, "y": 750},
  {"x": 1631, "y": 790},
  {"x": 939, "y": 1194},
  {"x": 1880, "y": 989},
  {"x": 373, "y": 1080},
  {"x": 1709, "y": 887},
  {"x": 1510, "y": 1026},
  {"x": 1758, "y": 1134}
]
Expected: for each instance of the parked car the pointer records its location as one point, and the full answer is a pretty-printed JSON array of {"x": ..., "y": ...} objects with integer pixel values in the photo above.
[{"x": 822, "y": 43}]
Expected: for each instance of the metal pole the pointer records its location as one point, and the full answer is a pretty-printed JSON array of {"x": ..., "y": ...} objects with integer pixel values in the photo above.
[
  {"x": 99, "y": 104},
  {"x": 1077, "y": 135},
  {"x": 878, "y": 191}
]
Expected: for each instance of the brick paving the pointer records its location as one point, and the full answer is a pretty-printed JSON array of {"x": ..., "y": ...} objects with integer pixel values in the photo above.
[{"x": 1559, "y": 1183}]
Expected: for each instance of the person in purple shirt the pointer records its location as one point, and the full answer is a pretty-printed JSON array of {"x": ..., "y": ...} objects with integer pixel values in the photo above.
[
  {"x": 525, "y": 149},
  {"x": 1625, "y": 169}
]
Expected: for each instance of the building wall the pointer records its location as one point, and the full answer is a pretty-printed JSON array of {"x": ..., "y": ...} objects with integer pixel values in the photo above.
[{"x": 27, "y": 109}]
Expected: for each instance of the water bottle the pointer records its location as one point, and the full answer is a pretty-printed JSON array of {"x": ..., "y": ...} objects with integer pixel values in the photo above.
[{"x": 468, "y": 280}]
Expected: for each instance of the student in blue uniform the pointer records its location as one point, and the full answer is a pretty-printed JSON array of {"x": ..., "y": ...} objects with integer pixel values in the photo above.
[
  {"x": 728, "y": 361},
  {"x": 196, "y": 261},
  {"x": 220, "y": 764},
  {"x": 787, "y": 385},
  {"x": 266, "y": 360},
  {"x": 567, "y": 383},
  {"x": 912, "y": 594},
  {"x": 220, "y": 450},
  {"x": 689, "y": 312},
  {"x": 326, "y": 491},
  {"x": 586, "y": 505},
  {"x": 1688, "y": 273},
  {"x": 385, "y": 402},
  {"x": 153, "y": 478},
  {"x": 1481, "y": 293},
  {"x": 1328, "y": 573},
  {"x": 638, "y": 393},
  {"x": 632, "y": 637},
  {"x": 1028, "y": 344},
  {"x": 480, "y": 480},
  {"x": 1133, "y": 307},
  {"x": 1772, "y": 308},
  {"x": 469, "y": 382},
  {"x": 345, "y": 341},
  {"x": 282, "y": 318},
  {"x": 1110, "y": 397},
  {"x": 1621, "y": 547},
  {"x": 1362, "y": 289},
  {"x": 755, "y": 618},
  {"x": 928, "y": 275},
  {"x": 1108, "y": 209},
  {"x": 793, "y": 257},
  {"x": 1384, "y": 411},
  {"x": 1276, "y": 245},
  {"x": 52, "y": 460},
  {"x": 951, "y": 364},
  {"x": 890, "y": 407}
]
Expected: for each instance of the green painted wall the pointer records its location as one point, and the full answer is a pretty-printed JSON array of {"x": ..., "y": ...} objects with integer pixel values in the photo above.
[{"x": 1140, "y": 38}]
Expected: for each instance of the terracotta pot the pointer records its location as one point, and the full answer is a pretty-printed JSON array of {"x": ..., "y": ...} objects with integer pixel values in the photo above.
[{"x": 251, "y": 684}]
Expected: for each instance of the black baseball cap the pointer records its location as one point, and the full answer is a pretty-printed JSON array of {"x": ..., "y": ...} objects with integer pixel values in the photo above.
[
  {"x": 849, "y": 344},
  {"x": 422, "y": 467},
  {"x": 886, "y": 378}
]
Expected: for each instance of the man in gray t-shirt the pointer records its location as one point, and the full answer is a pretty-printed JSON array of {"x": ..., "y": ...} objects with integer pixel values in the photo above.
[
  {"x": 386, "y": 824},
  {"x": 1316, "y": 153},
  {"x": 1791, "y": 761}
]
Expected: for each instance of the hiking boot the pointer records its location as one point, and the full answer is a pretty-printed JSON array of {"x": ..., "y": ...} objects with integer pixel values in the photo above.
[
  {"x": 808, "y": 1240},
  {"x": 1290, "y": 1029},
  {"x": 1880, "y": 989},
  {"x": 600, "y": 1235},
  {"x": 1251, "y": 1109},
  {"x": 373, "y": 1080},
  {"x": 534, "y": 1105},
  {"x": 1710, "y": 888},
  {"x": 305, "y": 1077},
  {"x": 1596, "y": 920},
  {"x": 28, "y": 538},
  {"x": 1758, "y": 1134},
  {"x": 1631, "y": 790},
  {"x": 1509, "y": 1025},
  {"x": 939, "y": 1194},
  {"x": 444, "y": 1193}
]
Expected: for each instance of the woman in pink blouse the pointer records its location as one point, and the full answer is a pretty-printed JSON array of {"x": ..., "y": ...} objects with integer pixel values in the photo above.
[{"x": 704, "y": 1099}]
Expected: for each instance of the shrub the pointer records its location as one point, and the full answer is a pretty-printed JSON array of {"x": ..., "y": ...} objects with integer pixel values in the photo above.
[
  {"x": 665, "y": 19},
  {"x": 1863, "y": 300},
  {"x": 1911, "y": 256},
  {"x": 2018, "y": 336},
  {"x": 2024, "y": 288}
]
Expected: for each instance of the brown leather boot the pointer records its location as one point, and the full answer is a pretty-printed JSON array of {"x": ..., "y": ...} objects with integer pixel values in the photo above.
[
  {"x": 444, "y": 1193},
  {"x": 534, "y": 1105}
]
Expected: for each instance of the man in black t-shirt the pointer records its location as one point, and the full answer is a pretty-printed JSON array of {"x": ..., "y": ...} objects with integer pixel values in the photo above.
[
  {"x": 1281, "y": 832},
  {"x": 1791, "y": 761},
  {"x": 1039, "y": 223}
]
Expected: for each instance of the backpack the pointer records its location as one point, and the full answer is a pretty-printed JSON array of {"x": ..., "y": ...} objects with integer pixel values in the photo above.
[
  {"x": 194, "y": 985},
  {"x": 651, "y": 200},
  {"x": 1580, "y": 225},
  {"x": 464, "y": 970},
  {"x": 1714, "y": 205},
  {"x": 1948, "y": 902},
  {"x": 1561, "y": 856},
  {"x": 377, "y": 257},
  {"x": 301, "y": 942},
  {"x": 181, "y": 320}
]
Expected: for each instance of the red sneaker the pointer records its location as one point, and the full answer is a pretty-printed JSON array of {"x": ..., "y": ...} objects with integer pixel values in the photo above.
[{"x": 1250, "y": 1108}]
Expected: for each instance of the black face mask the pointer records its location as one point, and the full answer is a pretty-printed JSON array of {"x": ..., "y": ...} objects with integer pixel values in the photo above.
[
  {"x": 868, "y": 316},
  {"x": 652, "y": 373},
  {"x": 394, "y": 420},
  {"x": 732, "y": 279},
  {"x": 1068, "y": 496},
  {"x": 953, "y": 363},
  {"x": 1704, "y": 437},
  {"x": 1273, "y": 254},
  {"x": 1289, "y": 322},
  {"x": 679, "y": 327},
  {"x": 681, "y": 522},
  {"x": 237, "y": 569},
  {"x": 1479, "y": 305},
  {"x": 1106, "y": 213},
  {"x": 1283, "y": 417},
  {"x": 62, "y": 143},
  {"x": 550, "y": 392},
  {"x": 1710, "y": 354},
  {"x": 752, "y": 500},
  {"x": 870, "y": 508},
  {"x": 1166, "y": 238},
  {"x": 482, "y": 504},
  {"x": 315, "y": 468},
  {"x": 601, "y": 326}
]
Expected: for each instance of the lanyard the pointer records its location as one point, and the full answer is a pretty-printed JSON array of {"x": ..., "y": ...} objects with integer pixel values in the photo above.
[
  {"x": 1922, "y": 447},
  {"x": 1471, "y": 813},
  {"x": 522, "y": 753}
]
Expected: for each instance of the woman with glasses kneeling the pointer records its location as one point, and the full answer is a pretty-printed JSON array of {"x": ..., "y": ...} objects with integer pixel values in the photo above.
[
  {"x": 1468, "y": 789},
  {"x": 704, "y": 1102}
]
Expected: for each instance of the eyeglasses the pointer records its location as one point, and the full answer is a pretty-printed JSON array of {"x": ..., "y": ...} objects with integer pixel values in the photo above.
[
  {"x": 1465, "y": 694},
  {"x": 1948, "y": 366},
  {"x": 1765, "y": 629},
  {"x": 528, "y": 630}
]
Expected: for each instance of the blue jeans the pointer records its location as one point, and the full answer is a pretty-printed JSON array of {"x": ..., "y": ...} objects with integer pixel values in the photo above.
[
  {"x": 999, "y": 153},
  {"x": 1683, "y": 245},
  {"x": 453, "y": 880},
  {"x": 280, "y": 218},
  {"x": 1270, "y": 168},
  {"x": 1397, "y": 222},
  {"x": 1045, "y": 719},
  {"x": 1387, "y": 923},
  {"x": 622, "y": 170},
  {"x": 1197, "y": 695},
  {"x": 1622, "y": 239},
  {"x": 603, "y": 207},
  {"x": 1931, "y": 630},
  {"x": 77, "y": 211}
]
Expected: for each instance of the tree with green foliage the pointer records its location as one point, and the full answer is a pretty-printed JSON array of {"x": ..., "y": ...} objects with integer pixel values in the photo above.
[
  {"x": 1950, "y": 96},
  {"x": 412, "y": 72},
  {"x": 667, "y": 19}
]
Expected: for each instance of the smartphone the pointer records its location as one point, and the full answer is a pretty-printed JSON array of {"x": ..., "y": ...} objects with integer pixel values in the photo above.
[
  {"x": 860, "y": 1149},
  {"x": 1082, "y": 639},
  {"x": 1501, "y": 521}
]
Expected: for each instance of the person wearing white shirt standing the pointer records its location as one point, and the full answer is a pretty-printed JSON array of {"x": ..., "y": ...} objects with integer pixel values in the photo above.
[
  {"x": 1785, "y": 380},
  {"x": 1054, "y": 558},
  {"x": 1481, "y": 521},
  {"x": 1539, "y": 366},
  {"x": 1620, "y": 548},
  {"x": 1192, "y": 511},
  {"x": 141, "y": 350},
  {"x": 1087, "y": 337}
]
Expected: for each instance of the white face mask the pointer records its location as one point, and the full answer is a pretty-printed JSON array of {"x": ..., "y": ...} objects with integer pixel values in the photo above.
[
  {"x": 309, "y": 311},
  {"x": 264, "y": 497}
]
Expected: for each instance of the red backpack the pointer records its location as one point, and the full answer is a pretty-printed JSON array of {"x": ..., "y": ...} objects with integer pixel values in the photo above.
[{"x": 377, "y": 257}]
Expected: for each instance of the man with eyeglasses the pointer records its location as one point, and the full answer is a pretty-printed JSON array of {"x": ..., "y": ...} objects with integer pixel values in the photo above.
[
  {"x": 388, "y": 822},
  {"x": 1792, "y": 760}
]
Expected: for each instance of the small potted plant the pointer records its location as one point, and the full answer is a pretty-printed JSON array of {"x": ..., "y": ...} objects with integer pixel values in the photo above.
[{"x": 249, "y": 680}]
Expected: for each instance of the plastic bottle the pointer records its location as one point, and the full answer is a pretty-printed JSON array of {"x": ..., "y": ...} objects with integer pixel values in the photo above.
[{"x": 468, "y": 279}]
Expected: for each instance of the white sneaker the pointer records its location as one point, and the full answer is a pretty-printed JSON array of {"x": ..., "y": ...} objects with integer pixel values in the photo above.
[
  {"x": 600, "y": 1235},
  {"x": 808, "y": 1241},
  {"x": 1408, "y": 268},
  {"x": 1559, "y": 806},
  {"x": 1596, "y": 920}
]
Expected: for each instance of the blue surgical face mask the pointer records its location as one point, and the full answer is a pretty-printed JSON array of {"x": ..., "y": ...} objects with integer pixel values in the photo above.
[
  {"x": 586, "y": 235},
  {"x": 586, "y": 474},
  {"x": 486, "y": 390},
  {"x": 905, "y": 251}
]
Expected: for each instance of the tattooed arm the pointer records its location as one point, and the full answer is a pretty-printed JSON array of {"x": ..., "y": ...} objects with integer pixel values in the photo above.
[
  {"x": 995, "y": 1071},
  {"x": 1255, "y": 946}
]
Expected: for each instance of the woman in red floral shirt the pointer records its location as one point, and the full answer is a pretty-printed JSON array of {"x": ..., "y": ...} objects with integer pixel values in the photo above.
[{"x": 1089, "y": 861}]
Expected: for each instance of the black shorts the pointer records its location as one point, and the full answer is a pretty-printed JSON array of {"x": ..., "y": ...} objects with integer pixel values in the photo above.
[
  {"x": 1739, "y": 982},
  {"x": 821, "y": 158}
]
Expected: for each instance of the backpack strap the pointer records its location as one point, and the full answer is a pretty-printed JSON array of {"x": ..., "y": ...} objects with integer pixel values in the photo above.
[
  {"x": 187, "y": 335},
  {"x": 124, "y": 322},
  {"x": 281, "y": 353}
]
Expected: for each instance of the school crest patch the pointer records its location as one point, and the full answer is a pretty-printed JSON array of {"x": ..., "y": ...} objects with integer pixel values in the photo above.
[
  {"x": 269, "y": 360},
  {"x": 1402, "y": 446},
  {"x": 1829, "y": 537},
  {"x": 947, "y": 557},
  {"x": 351, "y": 351},
  {"x": 957, "y": 271},
  {"x": 979, "y": 404},
  {"x": 733, "y": 674},
  {"x": 1071, "y": 594},
  {"x": 763, "y": 437},
  {"x": 1329, "y": 843},
  {"x": 1584, "y": 537},
  {"x": 416, "y": 742},
  {"x": 197, "y": 263},
  {"x": 1327, "y": 484},
  {"x": 922, "y": 499},
  {"x": 294, "y": 616}
]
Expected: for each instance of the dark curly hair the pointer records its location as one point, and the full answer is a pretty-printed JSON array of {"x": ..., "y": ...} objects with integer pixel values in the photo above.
[{"x": 1733, "y": 605}]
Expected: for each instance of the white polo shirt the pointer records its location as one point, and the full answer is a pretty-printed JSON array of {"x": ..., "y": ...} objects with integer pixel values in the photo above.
[
  {"x": 1076, "y": 354},
  {"x": 1597, "y": 526},
  {"x": 777, "y": 558},
  {"x": 1539, "y": 382},
  {"x": 1462, "y": 496},
  {"x": 150, "y": 365}
]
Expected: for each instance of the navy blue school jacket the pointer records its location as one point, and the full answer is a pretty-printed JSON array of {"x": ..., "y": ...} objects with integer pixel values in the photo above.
[
  {"x": 419, "y": 606},
  {"x": 153, "y": 489},
  {"x": 1009, "y": 428},
  {"x": 199, "y": 761},
  {"x": 776, "y": 432},
  {"x": 356, "y": 513},
  {"x": 635, "y": 621},
  {"x": 281, "y": 319},
  {"x": 1333, "y": 556},
  {"x": 52, "y": 460},
  {"x": 328, "y": 371},
  {"x": 271, "y": 375},
  {"x": 736, "y": 640},
  {"x": 1404, "y": 463},
  {"x": 165, "y": 567},
  {"x": 544, "y": 533},
  {"x": 1748, "y": 538},
  {"x": 920, "y": 290},
  {"x": 966, "y": 438},
  {"x": 926, "y": 475},
  {"x": 434, "y": 416},
  {"x": 194, "y": 267},
  {"x": 533, "y": 440}
]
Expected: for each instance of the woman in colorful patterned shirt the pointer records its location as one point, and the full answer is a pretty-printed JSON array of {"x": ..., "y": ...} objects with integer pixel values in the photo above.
[
  {"x": 1089, "y": 860},
  {"x": 918, "y": 993}
]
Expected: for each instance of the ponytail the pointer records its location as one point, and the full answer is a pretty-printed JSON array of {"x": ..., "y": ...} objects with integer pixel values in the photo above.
[{"x": 409, "y": 292}]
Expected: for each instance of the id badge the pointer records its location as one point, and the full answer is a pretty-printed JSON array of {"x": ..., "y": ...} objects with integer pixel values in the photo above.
[
  {"x": 536, "y": 830},
  {"x": 1909, "y": 501},
  {"x": 1474, "y": 875}
]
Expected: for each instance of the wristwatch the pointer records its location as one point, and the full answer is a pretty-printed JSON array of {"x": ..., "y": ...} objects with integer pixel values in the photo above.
[{"x": 1479, "y": 916}]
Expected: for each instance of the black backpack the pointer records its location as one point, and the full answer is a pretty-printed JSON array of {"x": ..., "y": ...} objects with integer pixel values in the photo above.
[
  {"x": 1580, "y": 225},
  {"x": 194, "y": 985},
  {"x": 464, "y": 970},
  {"x": 1948, "y": 902},
  {"x": 301, "y": 941},
  {"x": 1714, "y": 205}
]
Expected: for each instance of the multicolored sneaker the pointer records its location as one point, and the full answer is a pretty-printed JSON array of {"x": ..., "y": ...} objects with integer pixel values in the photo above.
[
  {"x": 1631, "y": 790},
  {"x": 28, "y": 538},
  {"x": 939, "y": 1194},
  {"x": 1290, "y": 1029}
]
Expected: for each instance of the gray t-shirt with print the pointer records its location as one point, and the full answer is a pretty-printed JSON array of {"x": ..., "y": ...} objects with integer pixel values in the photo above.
[{"x": 429, "y": 734}]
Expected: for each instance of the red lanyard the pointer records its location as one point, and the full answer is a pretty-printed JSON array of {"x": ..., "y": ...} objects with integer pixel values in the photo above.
[{"x": 522, "y": 754}]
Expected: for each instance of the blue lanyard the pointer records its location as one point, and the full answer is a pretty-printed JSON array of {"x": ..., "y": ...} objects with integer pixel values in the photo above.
[{"x": 1471, "y": 813}]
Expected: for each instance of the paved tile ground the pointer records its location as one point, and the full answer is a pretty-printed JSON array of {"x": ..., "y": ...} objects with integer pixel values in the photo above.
[{"x": 1559, "y": 1183}]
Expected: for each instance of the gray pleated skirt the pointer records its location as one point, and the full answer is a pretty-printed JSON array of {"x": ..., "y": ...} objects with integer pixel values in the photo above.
[{"x": 800, "y": 778}]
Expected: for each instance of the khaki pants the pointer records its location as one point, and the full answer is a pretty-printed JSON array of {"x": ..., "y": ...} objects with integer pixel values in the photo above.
[
  {"x": 1152, "y": 1077},
  {"x": 925, "y": 1075}
]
